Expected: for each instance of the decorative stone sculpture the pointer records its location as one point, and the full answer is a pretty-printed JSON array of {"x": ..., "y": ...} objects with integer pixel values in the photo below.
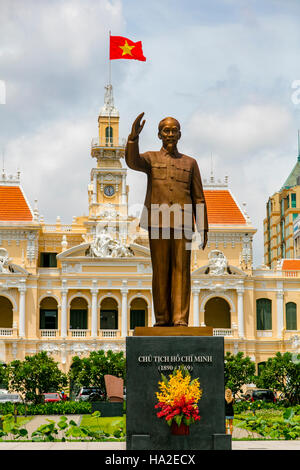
[
  {"x": 4, "y": 266},
  {"x": 217, "y": 263},
  {"x": 105, "y": 246}
]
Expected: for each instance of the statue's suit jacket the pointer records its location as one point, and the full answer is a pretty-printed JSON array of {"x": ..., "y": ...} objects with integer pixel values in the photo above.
[{"x": 172, "y": 179}]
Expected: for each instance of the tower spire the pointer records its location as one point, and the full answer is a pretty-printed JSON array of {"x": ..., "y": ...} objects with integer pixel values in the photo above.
[
  {"x": 211, "y": 168},
  {"x": 109, "y": 110},
  {"x": 298, "y": 145}
]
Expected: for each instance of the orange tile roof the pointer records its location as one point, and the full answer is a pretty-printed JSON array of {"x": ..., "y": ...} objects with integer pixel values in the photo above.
[
  {"x": 13, "y": 205},
  {"x": 222, "y": 208},
  {"x": 290, "y": 265}
]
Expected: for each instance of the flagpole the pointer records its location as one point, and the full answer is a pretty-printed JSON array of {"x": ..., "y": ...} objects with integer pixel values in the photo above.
[
  {"x": 109, "y": 84},
  {"x": 109, "y": 62}
]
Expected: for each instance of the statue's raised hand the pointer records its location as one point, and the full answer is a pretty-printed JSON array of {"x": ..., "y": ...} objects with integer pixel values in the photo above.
[{"x": 137, "y": 127}]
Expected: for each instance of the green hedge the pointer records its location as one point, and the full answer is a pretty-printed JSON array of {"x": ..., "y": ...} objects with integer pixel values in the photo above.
[
  {"x": 59, "y": 408},
  {"x": 241, "y": 406}
]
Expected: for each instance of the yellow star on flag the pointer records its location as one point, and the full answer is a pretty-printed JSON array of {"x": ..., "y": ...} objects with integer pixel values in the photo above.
[{"x": 126, "y": 49}]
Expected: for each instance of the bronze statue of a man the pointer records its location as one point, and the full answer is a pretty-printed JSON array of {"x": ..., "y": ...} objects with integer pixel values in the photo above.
[{"x": 174, "y": 204}]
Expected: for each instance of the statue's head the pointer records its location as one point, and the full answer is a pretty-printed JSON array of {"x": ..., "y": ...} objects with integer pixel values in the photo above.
[{"x": 169, "y": 132}]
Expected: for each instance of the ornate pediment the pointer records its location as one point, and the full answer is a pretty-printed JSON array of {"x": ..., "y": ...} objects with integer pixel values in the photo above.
[
  {"x": 140, "y": 250},
  {"x": 6, "y": 267},
  {"x": 218, "y": 266},
  {"x": 231, "y": 271},
  {"x": 103, "y": 246},
  {"x": 75, "y": 251}
]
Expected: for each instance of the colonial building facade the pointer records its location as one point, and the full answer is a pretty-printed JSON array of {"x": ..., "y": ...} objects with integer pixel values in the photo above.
[{"x": 72, "y": 289}]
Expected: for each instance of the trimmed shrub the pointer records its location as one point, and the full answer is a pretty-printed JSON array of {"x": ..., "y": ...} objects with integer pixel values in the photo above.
[{"x": 59, "y": 408}]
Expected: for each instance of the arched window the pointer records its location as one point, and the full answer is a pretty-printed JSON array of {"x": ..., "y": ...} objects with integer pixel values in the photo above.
[
  {"x": 6, "y": 313},
  {"x": 109, "y": 135},
  {"x": 48, "y": 314},
  {"x": 264, "y": 314},
  {"x": 217, "y": 313},
  {"x": 78, "y": 314},
  {"x": 109, "y": 314},
  {"x": 291, "y": 316},
  {"x": 138, "y": 313}
]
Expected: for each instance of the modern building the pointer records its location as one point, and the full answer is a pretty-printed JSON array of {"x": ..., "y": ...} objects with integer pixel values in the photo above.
[
  {"x": 72, "y": 289},
  {"x": 282, "y": 211}
]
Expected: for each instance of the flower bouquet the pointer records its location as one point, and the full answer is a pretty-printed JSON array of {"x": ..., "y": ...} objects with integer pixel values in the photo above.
[{"x": 177, "y": 399}]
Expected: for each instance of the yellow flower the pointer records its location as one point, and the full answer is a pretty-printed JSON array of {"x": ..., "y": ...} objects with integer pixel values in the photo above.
[{"x": 177, "y": 387}]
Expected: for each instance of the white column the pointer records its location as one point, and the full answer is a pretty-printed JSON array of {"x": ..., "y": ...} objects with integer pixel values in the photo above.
[
  {"x": 94, "y": 326},
  {"x": 64, "y": 313},
  {"x": 280, "y": 314},
  {"x": 124, "y": 291},
  {"x": 123, "y": 199},
  {"x": 152, "y": 311},
  {"x": 240, "y": 307},
  {"x": 95, "y": 188},
  {"x": 22, "y": 314},
  {"x": 196, "y": 291}
]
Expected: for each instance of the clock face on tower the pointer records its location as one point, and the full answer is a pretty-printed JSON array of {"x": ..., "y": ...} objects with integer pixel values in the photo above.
[{"x": 109, "y": 190}]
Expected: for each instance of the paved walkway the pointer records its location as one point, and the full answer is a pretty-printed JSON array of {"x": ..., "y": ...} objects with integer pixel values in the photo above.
[
  {"x": 111, "y": 446},
  {"x": 37, "y": 421},
  {"x": 239, "y": 433}
]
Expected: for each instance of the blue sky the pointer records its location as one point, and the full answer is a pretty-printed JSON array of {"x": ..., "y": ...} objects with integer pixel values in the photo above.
[{"x": 223, "y": 68}]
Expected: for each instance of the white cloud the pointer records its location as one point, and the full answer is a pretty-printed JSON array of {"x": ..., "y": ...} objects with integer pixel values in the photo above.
[
  {"x": 254, "y": 145},
  {"x": 2, "y": 92},
  {"x": 247, "y": 129},
  {"x": 55, "y": 166}
]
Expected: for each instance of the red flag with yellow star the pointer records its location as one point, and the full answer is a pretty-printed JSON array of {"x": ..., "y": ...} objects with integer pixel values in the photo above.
[{"x": 124, "y": 48}]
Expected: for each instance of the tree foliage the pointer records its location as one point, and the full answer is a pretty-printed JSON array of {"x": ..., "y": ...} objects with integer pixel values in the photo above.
[
  {"x": 34, "y": 376},
  {"x": 3, "y": 375},
  {"x": 90, "y": 371},
  {"x": 239, "y": 370},
  {"x": 282, "y": 373}
]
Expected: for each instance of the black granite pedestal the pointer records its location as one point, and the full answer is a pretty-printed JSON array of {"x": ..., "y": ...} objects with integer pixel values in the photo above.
[{"x": 146, "y": 358}]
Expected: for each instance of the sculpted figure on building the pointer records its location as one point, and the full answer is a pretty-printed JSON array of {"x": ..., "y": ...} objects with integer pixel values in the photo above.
[
  {"x": 105, "y": 245},
  {"x": 217, "y": 263},
  {"x": 4, "y": 265}
]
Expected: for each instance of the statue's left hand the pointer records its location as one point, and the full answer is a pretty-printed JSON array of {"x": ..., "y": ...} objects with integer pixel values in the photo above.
[{"x": 137, "y": 127}]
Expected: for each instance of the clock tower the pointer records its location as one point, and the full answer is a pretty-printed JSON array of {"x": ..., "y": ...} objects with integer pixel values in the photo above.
[{"x": 107, "y": 191}]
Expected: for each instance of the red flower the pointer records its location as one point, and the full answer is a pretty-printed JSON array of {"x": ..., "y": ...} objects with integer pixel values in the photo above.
[{"x": 187, "y": 408}]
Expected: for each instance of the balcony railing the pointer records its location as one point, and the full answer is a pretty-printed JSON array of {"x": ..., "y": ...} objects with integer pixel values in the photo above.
[
  {"x": 109, "y": 333},
  {"x": 58, "y": 228},
  {"x": 264, "y": 333},
  {"x": 79, "y": 333},
  {"x": 108, "y": 143},
  {"x": 48, "y": 333},
  {"x": 222, "y": 332},
  {"x": 6, "y": 331},
  {"x": 290, "y": 273}
]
